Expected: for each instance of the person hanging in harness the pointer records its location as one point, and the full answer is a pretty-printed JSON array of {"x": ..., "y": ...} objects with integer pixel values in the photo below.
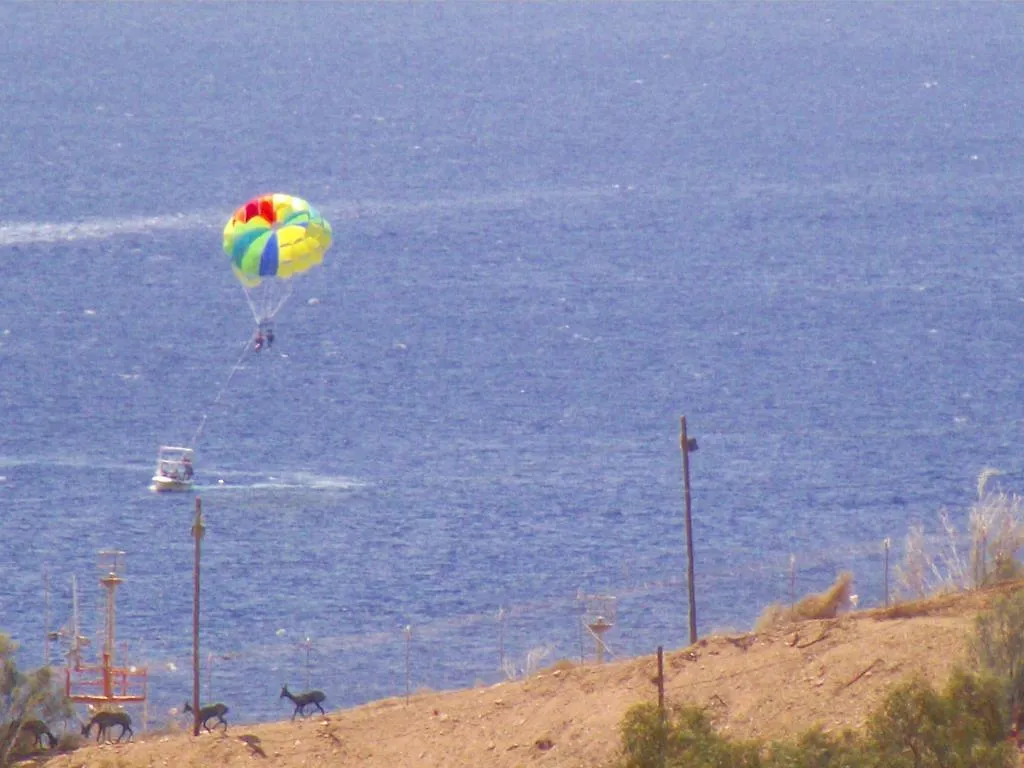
[{"x": 264, "y": 336}]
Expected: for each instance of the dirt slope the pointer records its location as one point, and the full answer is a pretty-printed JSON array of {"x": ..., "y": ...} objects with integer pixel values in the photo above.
[{"x": 770, "y": 685}]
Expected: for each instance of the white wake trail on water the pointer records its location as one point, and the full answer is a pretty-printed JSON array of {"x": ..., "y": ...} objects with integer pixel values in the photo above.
[
  {"x": 27, "y": 233},
  {"x": 13, "y": 233}
]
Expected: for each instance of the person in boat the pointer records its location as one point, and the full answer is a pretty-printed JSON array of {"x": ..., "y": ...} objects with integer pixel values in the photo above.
[
  {"x": 186, "y": 463},
  {"x": 270, "y": 337},
  {"x": 257, "y": 343}
]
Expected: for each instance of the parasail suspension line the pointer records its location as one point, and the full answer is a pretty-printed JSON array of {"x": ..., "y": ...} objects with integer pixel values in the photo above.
[
  {"x": 220, "y": 394},
  {"x": 266, "y": 299}
]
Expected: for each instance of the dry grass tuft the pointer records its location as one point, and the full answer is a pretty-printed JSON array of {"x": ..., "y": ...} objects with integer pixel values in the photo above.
[
  {"x": 984, "y": 555},
  {"x": 948, "y": 603},
  {"x": 775, "y": 615},
  {"x": 823, "y": 605},
  {"x": 908, "y": 609}
]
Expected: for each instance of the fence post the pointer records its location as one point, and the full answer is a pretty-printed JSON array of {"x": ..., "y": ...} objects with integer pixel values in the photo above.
[
  {"x": 886, "y": 543},
  {"x": 198, "y": 530},
  {"x": 408, "y": 644},
  {"x": 501, "y": 640},
  {"x": 792, "y": 581}
]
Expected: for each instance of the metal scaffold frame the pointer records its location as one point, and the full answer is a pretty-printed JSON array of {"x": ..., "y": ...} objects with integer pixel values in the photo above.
[{"x": 106, "y": 684}]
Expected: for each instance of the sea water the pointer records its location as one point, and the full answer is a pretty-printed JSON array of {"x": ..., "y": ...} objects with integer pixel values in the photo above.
[{"x": 559, "y": 227}]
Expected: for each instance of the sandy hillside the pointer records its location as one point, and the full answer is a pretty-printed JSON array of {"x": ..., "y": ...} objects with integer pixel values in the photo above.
[{"x": 766, "y": 685}]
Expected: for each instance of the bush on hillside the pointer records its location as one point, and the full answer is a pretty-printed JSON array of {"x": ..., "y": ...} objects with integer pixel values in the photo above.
[
  {"x": 997, "y": 646},
  {"x": 822, "y": 605},
  {"x": 964, "y": 726},
  {"x": 817, "y": 749},
  {"x": 995, "y": 536},
  {"x": 24, "y": 696},
  {"x": 681, "y": 737}
]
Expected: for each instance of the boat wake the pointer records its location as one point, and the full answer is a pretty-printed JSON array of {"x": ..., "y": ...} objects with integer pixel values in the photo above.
[
  {"x": 207, "y": 478},
  {"x": 102, "y": 228},
  {"x": 298, "y": 481}
]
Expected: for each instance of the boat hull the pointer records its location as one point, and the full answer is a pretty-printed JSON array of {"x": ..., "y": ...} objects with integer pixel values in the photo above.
[
  {"x": 173, "y": 469},
  {"x": 169, "y": 484}
]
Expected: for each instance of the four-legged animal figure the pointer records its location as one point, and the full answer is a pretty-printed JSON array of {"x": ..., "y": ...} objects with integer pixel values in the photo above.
[
  {"x": 209, "y": 712},
  {"x": 37, "y": 729},
  {"x": 103, "y": 720},
  {"x": 303, "y": 700}
]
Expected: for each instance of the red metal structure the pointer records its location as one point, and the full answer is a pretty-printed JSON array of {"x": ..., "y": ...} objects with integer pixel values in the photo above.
[{"x": 106, "y": 684}]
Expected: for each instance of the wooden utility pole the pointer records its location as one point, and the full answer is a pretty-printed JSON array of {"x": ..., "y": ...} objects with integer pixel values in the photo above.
[
  {"x": 660, "y": 682},
  {"x": 687, "y": 445},
  {"x": 198, "y": 529}
]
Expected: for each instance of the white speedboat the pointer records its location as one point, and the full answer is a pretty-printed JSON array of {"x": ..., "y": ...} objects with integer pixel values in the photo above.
[{"x": 173, "y": 469}]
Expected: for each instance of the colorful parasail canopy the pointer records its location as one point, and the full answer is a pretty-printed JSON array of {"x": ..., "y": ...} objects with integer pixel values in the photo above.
[{"x": 270, "y": 239}]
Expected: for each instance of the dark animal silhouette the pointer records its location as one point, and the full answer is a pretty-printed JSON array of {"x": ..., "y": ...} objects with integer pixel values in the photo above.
[
  {"x": 209, "y": 712},
  {"x": 37, "y": 729},
  {"x": 303, "y": 700},
  {"x": 104, "y": 720}
]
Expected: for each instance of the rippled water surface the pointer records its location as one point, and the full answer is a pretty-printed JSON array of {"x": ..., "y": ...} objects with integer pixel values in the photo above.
[{"x": 559, "y": 227}]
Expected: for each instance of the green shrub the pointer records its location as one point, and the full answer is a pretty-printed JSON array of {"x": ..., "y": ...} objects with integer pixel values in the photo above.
[
  {"x": 644, "y": 736},
  {"x": 963, "y": 726},
  {"x": 24, "y": 696},
  {"x": 681, "y": 738},
  {"x": 817, "y": 749},
  {"x": 997, "y": 646}
]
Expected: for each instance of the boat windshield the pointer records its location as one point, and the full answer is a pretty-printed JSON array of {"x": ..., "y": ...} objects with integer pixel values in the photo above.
[{"x": 175, "y": 463}]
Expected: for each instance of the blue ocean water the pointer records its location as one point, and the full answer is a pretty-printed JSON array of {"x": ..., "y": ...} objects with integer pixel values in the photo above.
[{"x": 559, "y": 227}]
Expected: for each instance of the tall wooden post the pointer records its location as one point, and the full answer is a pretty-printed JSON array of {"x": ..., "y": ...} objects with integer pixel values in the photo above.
[
  {"x": 662, "y": 734},
  {"x": 661, "y": 683},
  {"x": 198, "y": 529},
  {"x": 46, "y": 617},
  {"x": 687, "y": 445}
]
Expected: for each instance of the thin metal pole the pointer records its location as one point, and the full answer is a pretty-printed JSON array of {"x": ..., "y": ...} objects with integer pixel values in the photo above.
[
  {"x": 501, "y": 640},
  {"x": 309, "y": 647},
  {"x": 792, "y": 581},
  {"x": 197, "y": 533},
  {"x": 685, "y": 444},
  {"x": 408, "y": 645},
  {"x": 885, "y": 549}
]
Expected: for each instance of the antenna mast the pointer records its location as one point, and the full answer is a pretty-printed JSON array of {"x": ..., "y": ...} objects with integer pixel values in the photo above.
[
  {"x": 599, "y": 617},
  {"x": 104, "y": 684}
]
